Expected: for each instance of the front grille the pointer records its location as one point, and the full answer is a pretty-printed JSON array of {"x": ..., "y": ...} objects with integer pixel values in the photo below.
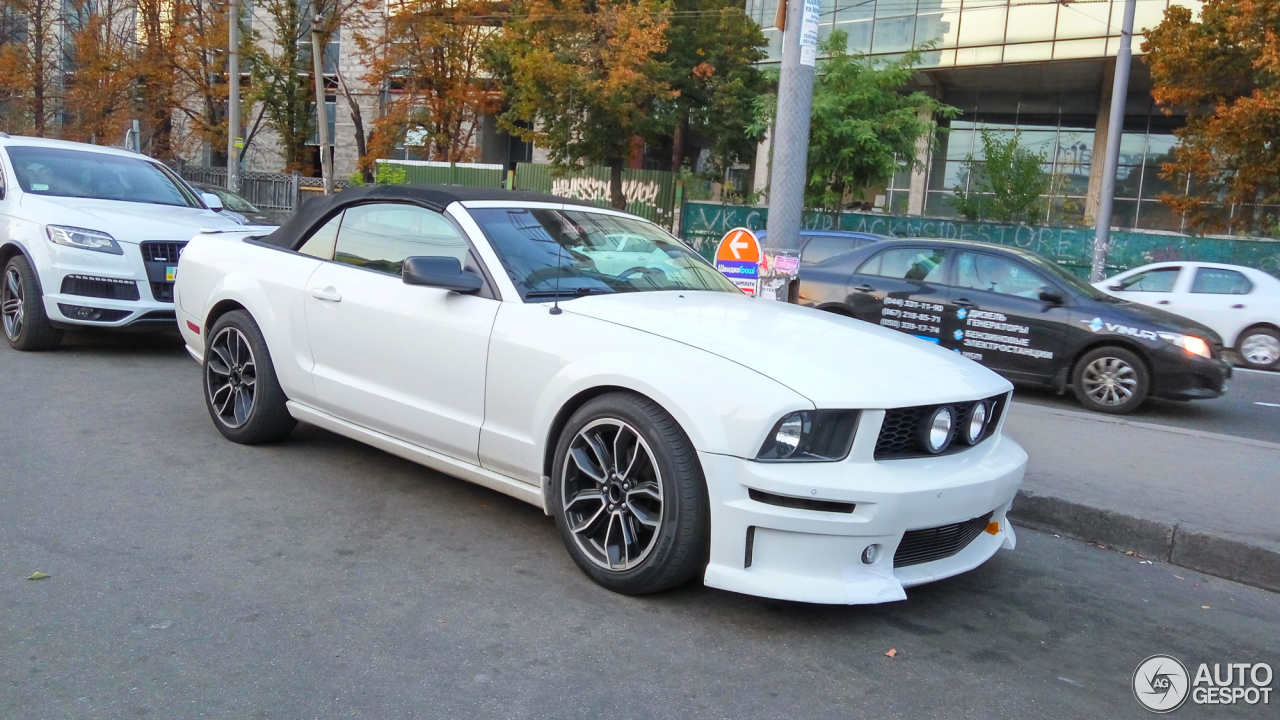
[
  {"x": 160, "y": 257},
  {"x": 922, "y": 546},
  {"x": 900, "y": 431},
  {"x": 165, "y": 252},
  {"x": 100, "y": 287}
]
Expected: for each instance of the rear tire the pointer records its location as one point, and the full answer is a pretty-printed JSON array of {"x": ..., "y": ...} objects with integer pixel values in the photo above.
[
  {"x": 629, "y": 497},
  {"x": 241, "y": 391},
  {"x": 26, "y": 325},
  {"x": 1111, "y": 380},
  {"x": 1259, "y": 348}
]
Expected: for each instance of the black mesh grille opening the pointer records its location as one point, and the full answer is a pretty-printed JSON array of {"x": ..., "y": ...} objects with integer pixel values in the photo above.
[
  {"x": 100, "y": 287},
  {"x": 922, "y": 546},
  {"x": 162, "y": 291},
  {"x": 899, "y": 434},
  {"x": 165, "y": 252},
  {"x": 799, "y": 503}
]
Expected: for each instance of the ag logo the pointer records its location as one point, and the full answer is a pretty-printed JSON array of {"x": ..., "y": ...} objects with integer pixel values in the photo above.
[
  {"x": 1095, "y": 324},
  {"x": 962, "y": 313},
  {"x": 1160, "y": 683}
]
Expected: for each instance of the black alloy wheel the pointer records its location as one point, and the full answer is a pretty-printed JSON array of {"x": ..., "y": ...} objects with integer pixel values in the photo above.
[
  {"x": 243, "y": 396},
  {"x": 26, "y": 325}
]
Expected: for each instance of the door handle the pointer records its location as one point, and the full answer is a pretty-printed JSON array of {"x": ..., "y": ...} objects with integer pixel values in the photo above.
[
  {"x": 965, "y": 303},
  {"x": 1162, "y": 302},
  {"x": 1237, "y": 306},
  {"x": 328, "y": 294},
  {"x": 864, "y": 288}
]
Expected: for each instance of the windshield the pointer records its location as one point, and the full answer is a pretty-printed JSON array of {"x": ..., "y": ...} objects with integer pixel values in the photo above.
[
  {"x": 1070, "y": 280},
  {"x": 75, "y": 173},
  {"x": 568, "y": 253}
]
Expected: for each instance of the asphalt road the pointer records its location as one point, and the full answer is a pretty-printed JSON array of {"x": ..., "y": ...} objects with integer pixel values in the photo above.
[
  {"x": 320, "y": 578},
  {"x": 1250, "y": 409}
]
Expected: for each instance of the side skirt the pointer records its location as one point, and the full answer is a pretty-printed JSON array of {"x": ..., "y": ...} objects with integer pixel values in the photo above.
[{"x": 531, "y": 494}]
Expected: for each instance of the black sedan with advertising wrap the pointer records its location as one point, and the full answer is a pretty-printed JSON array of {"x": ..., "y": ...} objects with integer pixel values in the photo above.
[{"x": 1024, "y": 317}]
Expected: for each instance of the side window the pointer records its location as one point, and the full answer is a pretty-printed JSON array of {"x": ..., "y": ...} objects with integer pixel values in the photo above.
[
  {"x": 997, "y": 275},
  {"x": 380, "y": 236},
  {"x": 1158, "y": 280},
  {"x": 824, "y": 247},
  {"x": 921, "y": 264},
  {"x": 1216, "y": 281},
  {"x": 323, "y": 240}
]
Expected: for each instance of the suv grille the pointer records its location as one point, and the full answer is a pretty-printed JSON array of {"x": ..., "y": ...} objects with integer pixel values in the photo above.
[
  {"x": 922, "y": 546},
  {"x": 100, "y": 287},
  {"x": 899, "y": 433},
  {"x": 159, "y": 257}
]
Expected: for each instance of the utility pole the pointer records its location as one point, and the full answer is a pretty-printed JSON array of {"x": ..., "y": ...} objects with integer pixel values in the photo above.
[
  {"x": 322, "y": 111},
  {"x": 1115, "y": 130},
  {"x": 790, "y": 145},
  {"x": 234, "y": 141}
]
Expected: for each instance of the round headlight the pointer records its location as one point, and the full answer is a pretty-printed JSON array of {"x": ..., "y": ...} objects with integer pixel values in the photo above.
[
  {"x": 787, "y": 439},
  {"x": 975, "y": 423},
  {"x": 937, "y": 429}
]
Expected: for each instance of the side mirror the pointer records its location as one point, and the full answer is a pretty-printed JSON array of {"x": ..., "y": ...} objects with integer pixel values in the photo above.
[
  {"x": 213, "y": 201},
  {"x": 1114, "y": 287},
  {"x": 1052, "y": 297},
  {"x": 440, "y": 272}
]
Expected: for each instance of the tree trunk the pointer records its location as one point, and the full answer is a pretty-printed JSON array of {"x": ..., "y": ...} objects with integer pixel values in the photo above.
[
  {"x": 678, "y": 140},
  {"x": 357, "y": 119},
  {"x": 616, "y": 198}
]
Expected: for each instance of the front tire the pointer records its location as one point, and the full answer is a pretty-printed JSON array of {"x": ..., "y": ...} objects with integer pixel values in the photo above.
[
  {"x": 1111, "y": 380},
  {"x": 1260, "y": 348},
  {"x": 26, "y": 325},
  {"x": 241, "y": 391},
  {"x": 629, "y": 497}
]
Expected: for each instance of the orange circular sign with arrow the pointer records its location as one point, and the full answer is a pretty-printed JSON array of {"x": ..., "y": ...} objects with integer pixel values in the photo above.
[{"x": 739, "y": 246}]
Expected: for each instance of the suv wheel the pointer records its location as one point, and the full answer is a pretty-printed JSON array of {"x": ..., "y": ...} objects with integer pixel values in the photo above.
[
  {"x": 629, "y": 497},
  {"x": 26, "y": 326},
  {"x": 1111, "y": 380}
]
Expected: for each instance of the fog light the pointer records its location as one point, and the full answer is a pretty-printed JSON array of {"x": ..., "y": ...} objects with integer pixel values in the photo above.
[
  {"x": 937, "y": 430},
  {"x": 975, "y": 423},
  {"x": 870, "y": 555}
]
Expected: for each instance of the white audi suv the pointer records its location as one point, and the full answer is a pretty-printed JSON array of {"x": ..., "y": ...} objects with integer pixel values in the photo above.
[{"x": 90, "y": 236}]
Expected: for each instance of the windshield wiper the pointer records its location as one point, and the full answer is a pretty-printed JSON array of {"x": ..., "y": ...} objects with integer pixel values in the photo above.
[{"x": 576, "y": 292}]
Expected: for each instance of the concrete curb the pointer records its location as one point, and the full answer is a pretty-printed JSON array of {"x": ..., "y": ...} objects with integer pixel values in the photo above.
[{"x": 1182, "y": 544}]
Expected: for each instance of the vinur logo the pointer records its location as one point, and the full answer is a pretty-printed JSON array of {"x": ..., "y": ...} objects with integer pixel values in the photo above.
[{"x": 1097, "y": 325}]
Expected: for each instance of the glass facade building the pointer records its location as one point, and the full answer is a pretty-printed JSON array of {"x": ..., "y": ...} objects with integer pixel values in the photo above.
[{"x": 1036, "y": 68}]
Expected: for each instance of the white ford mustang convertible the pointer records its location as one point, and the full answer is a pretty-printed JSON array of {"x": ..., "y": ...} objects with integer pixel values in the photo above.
[{"x": 673, "y": 426}]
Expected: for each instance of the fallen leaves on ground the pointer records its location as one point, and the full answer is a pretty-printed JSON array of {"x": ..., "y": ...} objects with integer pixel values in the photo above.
[
  {"x": 37, "y": 575},
  {"x": 892, "y": 653}
]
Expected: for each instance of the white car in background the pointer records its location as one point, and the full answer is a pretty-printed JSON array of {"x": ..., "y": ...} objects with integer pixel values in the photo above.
[
  {"x": 674, "y": 427},
  {"x": 1239, "y": 303},
  {"x": 90, "y": 236}
]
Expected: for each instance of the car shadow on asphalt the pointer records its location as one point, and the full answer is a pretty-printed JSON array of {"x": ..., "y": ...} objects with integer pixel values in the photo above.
[{"x": 109, "y": 342}]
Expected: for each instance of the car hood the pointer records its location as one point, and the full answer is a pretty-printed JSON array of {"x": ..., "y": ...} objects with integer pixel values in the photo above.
[
  {"x": 129, "y": 222},
  {"x": 834, "y": 361},
  {"x": 1147, "y": 317}
]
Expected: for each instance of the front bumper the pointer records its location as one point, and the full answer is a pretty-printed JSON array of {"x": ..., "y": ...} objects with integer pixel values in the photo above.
[
  {"x": 151, "y": 310},
  {"x": 814, "y": 556},
  {"x": 1179, "y": 375}
]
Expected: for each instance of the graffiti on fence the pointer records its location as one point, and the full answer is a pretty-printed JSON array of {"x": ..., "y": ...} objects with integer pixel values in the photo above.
[
  {"x": 592, "y": 189},
  {"x": 705, "y": 223}
]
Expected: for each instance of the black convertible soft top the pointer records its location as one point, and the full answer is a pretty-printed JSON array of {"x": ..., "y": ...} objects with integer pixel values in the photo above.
[{"x": 318, "y": 210}]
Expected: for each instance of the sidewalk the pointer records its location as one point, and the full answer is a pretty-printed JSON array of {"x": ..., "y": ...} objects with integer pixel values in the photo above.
[{"x": 1202, "y": 500}]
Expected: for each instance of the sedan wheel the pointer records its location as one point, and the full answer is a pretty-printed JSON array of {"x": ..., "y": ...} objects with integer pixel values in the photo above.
[
  {"x": 1260, "y": 348},
  {"x": 1111, "y": 380},
  {"x": 241, "y": 391},
  {"x": 232, "y": 374},
  {"x": 629, "y": 497},
  {"x": 612, "y": 494}
]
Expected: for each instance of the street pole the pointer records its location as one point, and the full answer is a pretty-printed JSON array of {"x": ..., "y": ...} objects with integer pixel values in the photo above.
[
  {"x": 233, "y": 96},
  {"x": 1115, "y": 130},
  {"x": 322, "y": 115},
  {"x": 790, "y": 145}
]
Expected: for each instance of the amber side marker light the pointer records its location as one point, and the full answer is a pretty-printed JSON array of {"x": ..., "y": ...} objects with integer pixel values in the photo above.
[{"x": 993, "y": 527}]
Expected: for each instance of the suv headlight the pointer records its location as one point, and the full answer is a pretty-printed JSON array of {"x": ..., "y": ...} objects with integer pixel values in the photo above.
[
  {"x": 84, "y": 239},
  {"x": 1190, "y": 343},
  {"x": 810, "y": 436}
]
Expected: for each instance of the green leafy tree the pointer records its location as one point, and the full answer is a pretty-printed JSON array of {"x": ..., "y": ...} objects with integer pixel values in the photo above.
[
  {"x": 862, "y": 129},
  {"x": 711, "y": 56},
  {"x": 1007, "y": 185},
  {"x": 584, "y": 79}
]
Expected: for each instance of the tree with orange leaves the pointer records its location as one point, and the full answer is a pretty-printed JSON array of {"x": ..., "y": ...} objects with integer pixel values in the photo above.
[
  {"x": 1224, "y": 71},
  {"x": 30, "y": 65},
  {"x": 101, "y": 78},
  {"x": 426, "y": 55},
  {"x": 583, "y": 78}
]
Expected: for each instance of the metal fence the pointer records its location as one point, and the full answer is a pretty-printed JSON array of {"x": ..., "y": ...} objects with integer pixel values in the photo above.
[
  {"x": 705, "y": 223},
  {"x": 419, "y": 172},
  {"x": 277, "y": 192}
]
